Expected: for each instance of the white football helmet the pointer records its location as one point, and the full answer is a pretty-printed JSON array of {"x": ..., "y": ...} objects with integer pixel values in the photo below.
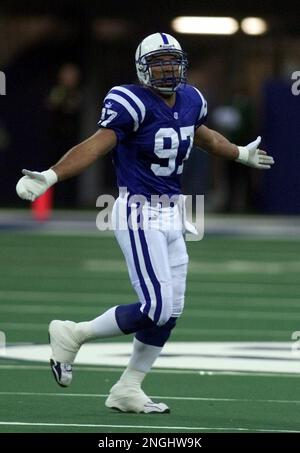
[{"x": 173, "y": 71}]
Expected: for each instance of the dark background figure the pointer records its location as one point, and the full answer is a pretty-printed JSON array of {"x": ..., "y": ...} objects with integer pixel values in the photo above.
[
  {"x": 232, "y": 187},
  {"x": 64, "y": 103}
]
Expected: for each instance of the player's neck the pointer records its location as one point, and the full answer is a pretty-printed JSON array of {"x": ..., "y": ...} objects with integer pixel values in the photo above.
[{"x": 168, "y": 99}]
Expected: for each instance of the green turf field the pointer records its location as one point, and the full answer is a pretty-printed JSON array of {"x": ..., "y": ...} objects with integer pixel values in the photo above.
[{"x": 238, "y": 290}]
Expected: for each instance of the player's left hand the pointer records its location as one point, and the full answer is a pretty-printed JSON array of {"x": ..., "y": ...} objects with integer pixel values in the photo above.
[{"x": 252, "y": 156}]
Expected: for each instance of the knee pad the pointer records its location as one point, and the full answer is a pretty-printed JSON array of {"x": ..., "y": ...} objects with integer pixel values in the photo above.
[
  {"x": 156, "y": 335},
  {"x": 130, "y": 319}
]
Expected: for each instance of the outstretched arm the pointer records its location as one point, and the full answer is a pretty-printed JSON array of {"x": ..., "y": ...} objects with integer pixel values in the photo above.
[
  {"x": 216, "y": 144},
  {"x": 84, "y": 154},
  {"x": 75, "y": 161}
]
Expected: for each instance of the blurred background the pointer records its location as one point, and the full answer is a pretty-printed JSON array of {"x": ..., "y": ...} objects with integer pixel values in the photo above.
[{"x": 61, "y": 57}]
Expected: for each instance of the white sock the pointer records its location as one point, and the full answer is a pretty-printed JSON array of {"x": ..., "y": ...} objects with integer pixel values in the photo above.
[
  {"x": 143, "y": 356},
  {"x": 100, "y": 327},
  {"x": 132, "y": 378},
  {"x": 141, "y": 361}
]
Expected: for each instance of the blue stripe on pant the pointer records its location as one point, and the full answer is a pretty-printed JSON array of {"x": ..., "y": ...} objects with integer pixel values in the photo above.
[
  {"x": 155, "y": 282},
  {"x": 148, "y": 266},
  {"x": 137, "y": 266}
]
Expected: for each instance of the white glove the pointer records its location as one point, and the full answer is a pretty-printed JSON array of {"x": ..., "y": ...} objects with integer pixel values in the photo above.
[
  {"x": 251, "y": 156},
  {"x": 34, "y": 183}
]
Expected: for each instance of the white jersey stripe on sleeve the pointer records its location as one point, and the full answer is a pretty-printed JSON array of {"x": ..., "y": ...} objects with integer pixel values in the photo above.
[
  {"x": 203, "y": 111},
  {"x": 127, "y": 106},
  {"x": 133, "y": 96}
]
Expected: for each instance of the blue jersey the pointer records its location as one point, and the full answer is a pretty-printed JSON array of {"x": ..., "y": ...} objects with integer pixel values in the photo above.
[{"x": 153, "y": 139}]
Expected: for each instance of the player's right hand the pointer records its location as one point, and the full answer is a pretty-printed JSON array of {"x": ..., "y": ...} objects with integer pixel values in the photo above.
[{"x": 35, "y": 183}]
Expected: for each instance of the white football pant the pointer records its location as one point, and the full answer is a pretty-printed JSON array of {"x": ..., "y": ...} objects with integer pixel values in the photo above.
[{"x": 156, "y": 256}]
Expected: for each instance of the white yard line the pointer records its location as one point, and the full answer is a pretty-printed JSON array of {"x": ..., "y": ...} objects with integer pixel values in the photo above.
[
  {"x": 155, "y": 427},
  {"x": 156, "y": 371},
  {"x": 163, "y": 397}
]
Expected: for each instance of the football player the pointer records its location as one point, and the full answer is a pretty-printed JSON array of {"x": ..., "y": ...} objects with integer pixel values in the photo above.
[{"x": 150, "y": 128}]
